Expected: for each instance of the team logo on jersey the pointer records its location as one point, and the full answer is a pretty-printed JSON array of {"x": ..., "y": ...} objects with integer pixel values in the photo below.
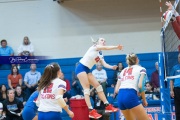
[
  {"x": 100, "y": 52},
  {"x": 143, "y": 70},
  {"x": 61, "y": 86}
]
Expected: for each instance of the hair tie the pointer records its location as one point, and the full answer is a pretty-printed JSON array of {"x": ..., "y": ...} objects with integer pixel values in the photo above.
[{"x": 50, "y": 65}]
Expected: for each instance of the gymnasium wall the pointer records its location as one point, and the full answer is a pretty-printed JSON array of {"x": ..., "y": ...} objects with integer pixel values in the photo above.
[{"x": 64, "y": 31}]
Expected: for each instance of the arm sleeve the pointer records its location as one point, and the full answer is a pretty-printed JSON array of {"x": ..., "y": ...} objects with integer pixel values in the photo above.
[
  {"x": 4, "y": 106},
  {"x": 62, "y": 85},
  {"x": 20, "y": 105},
  {"x": 11, "y": 51},
  {"x": 39, "y": 76},
  {"x": 31, "y": 48},
  {"x": 26, "y": 77},
  {"x": 19, "y": 50},
  {"x": 172, "y": 73},
  {"x": 143, "y": 84},
  {"x": 105, "y": 74},
  {"x": 1, "y": 106},
  {"x": 20, "y": 76}
]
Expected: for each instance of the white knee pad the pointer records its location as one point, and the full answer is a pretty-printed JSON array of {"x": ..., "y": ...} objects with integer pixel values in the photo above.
[
  {"x": 86, "y": 92},
  {"x": 99, "y": 89}
]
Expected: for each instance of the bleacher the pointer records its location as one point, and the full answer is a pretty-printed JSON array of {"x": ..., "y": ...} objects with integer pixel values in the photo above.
[{"x": 147, "y": 60}]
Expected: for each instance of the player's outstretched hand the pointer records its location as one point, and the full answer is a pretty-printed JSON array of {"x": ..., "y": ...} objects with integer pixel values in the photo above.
[
  {"x": 169, "y": 5},
  {"x": 120, "y": 47},
  {"x": 71, "y": 114},
  {"x": 114, "y": 67}
]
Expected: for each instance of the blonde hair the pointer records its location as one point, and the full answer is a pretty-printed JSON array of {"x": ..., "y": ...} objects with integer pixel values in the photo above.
[
  {"x": 131, "y": 59},
  {"x": 95, "y": 41}
]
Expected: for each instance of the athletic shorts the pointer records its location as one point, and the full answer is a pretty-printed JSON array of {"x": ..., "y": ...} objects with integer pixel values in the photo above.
[
  {"x": 127, "y": 99},
  {"x": 49, "y": 115},
  {"x": 28, "y": 113},
  {"x": 81, "y": 68}
]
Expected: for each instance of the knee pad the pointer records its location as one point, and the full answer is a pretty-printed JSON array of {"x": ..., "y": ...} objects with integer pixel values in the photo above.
[
  {"x": 86, "y": 92},
  {"x": 99, "y": 89}
]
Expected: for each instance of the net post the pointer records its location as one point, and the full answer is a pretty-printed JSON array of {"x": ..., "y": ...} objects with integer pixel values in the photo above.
[{"x": 164, "y": 92}]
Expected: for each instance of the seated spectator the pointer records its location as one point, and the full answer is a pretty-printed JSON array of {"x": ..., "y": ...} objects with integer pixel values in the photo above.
[
  {"x": 150, "y": 95},
  {"x": 117, "y": 73},
  {"x": 6, "y": 50},
  {"x": 99, "y": 106},
  {"x": 2, "y": 117},
  {"x": 76, "y": 84},
  {"x": 3, "y": 94},
  {"x": 67, "y": 94},
  {"x": 31, "y": 79},
  {"x": 14, "y": 78},
  {"x": 20, "y": 95},
  {"x": 12, "y": 107},
  {"x": 26, "y": 49},
  {"x": 100, "y": 75},
  {"x": 155, "y": 79}
]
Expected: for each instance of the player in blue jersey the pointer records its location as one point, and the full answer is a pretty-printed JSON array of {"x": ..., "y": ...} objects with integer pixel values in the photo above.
[{"x": 30, "y": 108}]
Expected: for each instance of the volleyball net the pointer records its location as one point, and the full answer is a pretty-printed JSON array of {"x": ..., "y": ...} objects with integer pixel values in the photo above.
[{"x": 170, "y": 43}]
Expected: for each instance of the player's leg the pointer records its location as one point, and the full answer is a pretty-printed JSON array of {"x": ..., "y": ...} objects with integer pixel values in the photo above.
[
  {"x": 83, "y": 78},
  {"x": 99, "y": 89},
  {"x": 97, "y": 86},
  {"x": 128, "y": 115},
  {"x": 139, "y": 109}
]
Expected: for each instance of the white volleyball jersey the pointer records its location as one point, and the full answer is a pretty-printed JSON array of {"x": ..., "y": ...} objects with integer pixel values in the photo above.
[
  {"x": 47, "y": 96},
  {"x": 129, "y": 77},
  {"x": 91, "y": 57}
]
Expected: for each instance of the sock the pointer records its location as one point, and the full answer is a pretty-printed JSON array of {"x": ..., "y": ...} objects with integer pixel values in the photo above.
[
  {"x": 106, "y": 103},
  {"x": 90, "y": 108}
]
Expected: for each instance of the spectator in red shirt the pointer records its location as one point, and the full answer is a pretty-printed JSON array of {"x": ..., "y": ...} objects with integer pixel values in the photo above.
[
  {"x": 14, "y": 78},
  {"x": 155, "y": 79}
]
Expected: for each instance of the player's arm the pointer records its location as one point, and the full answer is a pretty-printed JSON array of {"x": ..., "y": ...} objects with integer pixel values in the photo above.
[
  {"x": 62, "y": 103},
  {"x": 119, "y": 47},
  {"x": 171, "y": 88},
  {"x": 141, "y": 86},
  {"x": 117, "y": 86},
  {"x": 103, "y": 62}
]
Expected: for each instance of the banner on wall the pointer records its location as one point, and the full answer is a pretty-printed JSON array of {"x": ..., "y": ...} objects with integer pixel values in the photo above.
[{"x": 154, "y": 113}]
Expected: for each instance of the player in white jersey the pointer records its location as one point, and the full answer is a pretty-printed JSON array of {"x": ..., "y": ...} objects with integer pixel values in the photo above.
[
  {"x": 51, "y": 90},
  {"x": 93, "y": 56},
  {"x": 130, "y": 82}
]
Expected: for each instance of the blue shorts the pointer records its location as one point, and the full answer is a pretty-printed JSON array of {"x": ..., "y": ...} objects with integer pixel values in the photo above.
[
  {"x": 81, "y": 68},
  {"x": 28, "y": 113},
  {"x": 127, "y": 99},
  {"x": 49, "y": 115}
]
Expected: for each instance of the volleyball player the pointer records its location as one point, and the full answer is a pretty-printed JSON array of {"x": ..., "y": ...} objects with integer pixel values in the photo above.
[
  {"x": 30, "y": 108},
  {"x": 131, "y": 81},
  {"x": 51, "y": 90},
  {"x": 93, "y": 56},
  {"x": 175, "y": 20}
]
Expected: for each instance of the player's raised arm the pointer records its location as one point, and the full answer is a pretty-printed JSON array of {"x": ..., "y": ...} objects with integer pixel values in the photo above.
[{"x": 119, "y": 47}]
